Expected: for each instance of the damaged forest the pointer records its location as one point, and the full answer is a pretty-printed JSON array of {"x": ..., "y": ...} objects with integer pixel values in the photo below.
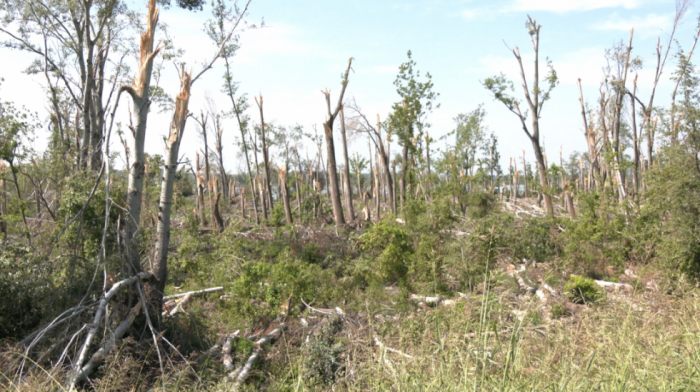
[{"x": 364, "y": 251}]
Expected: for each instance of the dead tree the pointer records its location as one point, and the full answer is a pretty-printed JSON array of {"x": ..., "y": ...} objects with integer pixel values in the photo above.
[
  {"x": 346, "y": 177},
  {"x": 266, "y": 160},
  {"x": 330, "y": 149},
  {"x": 140, "y": 95},
  {"x": 361, "y": 124},
  {"x": 156, "y": 285},
  {"x": 535, "y": 100},
  {"x": 285, "y": 195}
]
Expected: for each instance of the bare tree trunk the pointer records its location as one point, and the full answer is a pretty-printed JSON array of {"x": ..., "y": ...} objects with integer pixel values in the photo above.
[
  {"x": 260, "y": 191},
  {"x": 285, "y": 195},
  {"x": 140, "y": 96},
  {"x": 266, "y": 160},
  {"x": 217, "y": 214},
  {"x": 393, "y": 186},
  {"x": 346, "y": 177},
  {"x": 156, "y": 286},
  {"x": 330, "y": 150}
]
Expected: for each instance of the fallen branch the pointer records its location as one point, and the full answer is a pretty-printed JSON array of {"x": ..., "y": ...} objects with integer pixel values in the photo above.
[
  {"x": 228, "y": 359},
  {"x": 382, "y": 346},
  {"x": 97, "y": 357},
  {"x": 241, "y": 375},
  {"x": 612, "y": 286},
  {"x": 98, "y": 317},
  {"x": 337, "y": 310},
  {"x": 178, "y": 306},
  {"x": 197, "y": 292},
  {"x": 436, "y": 301}
]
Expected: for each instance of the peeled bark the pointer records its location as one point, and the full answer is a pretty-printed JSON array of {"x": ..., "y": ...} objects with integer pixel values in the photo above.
[{"x": 141, "y": 101}]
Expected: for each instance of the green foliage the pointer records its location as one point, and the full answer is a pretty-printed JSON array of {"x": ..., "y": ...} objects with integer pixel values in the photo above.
[
  {"x": 597, "y": 238},
  {"x": 673, "y": 214},
  {"x": 21, "y": 310},
  {"x": 582, "y": 290},
  {"x": 479, "y": 204},
  {"x": 387, "y": 252},
  {"x": 268, "y": 284},
  {"x": 322, "y": 360}
]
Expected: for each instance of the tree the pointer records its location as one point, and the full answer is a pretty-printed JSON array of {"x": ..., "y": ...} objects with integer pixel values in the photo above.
[
  {"x": 469, "y": 136},
  {"x": 216, "y": 30},
  {"x": 330, "y": 148},
  {"x": 500, "y": 87},
  {"x": 140, "y": 95},
  {"x": 156, "y": 286},
  {"x": 409, "y": 114}
]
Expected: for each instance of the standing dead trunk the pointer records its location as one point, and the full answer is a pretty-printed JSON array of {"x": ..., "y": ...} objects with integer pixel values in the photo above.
[
  {"x": 285, "y": 195},
  {"x": 217, "y": 214},
  {"x": 330, "y": 150},
  {"x": 266, "y": 160},
  {"x": 392, "y": 185},
  {"x": 156, "y": 286},
  {"x": 346, "y": 177},
  {"x": 140, "y": 95}
]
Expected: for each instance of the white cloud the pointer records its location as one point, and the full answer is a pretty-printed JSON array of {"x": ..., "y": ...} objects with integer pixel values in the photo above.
[
  {"x": 561, "y": 6},
  {"x": 651, "y": 21},
  {"x": 472, "y": 13}
]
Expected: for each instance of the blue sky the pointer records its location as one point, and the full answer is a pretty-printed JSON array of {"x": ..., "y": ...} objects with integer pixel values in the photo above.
[{"x": 306, "y": 44}]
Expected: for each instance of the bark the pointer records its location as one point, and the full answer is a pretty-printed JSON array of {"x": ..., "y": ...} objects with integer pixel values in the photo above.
[
  {"x": 266, "y": 160},
  {"x": 330, "y": 150},
  {"x": 285, "y": 195},
  {"x": 346, "y": 177},
  {"x": 141, "y": 102},
  {"x": 217, "y": 214},
  {"x": 177, "y": 127}
]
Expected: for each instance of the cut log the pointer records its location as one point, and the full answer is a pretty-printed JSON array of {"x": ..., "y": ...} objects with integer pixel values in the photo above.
[{"x": 228, "y": 359}]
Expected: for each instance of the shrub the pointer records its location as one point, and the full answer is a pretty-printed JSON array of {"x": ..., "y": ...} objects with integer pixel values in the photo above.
[
  {"x": 387, "y": 253},
  {"x": 581, "y": 290},
  {"x": 271, "y": 283},
  {"x": 321, "y": 362}
]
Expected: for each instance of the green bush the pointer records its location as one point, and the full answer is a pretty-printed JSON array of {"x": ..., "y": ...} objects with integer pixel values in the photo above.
[
  {"x": 269, "y": 284},
  {"x": 387, "y": 253},
  {"x": 581, "y": 290}
]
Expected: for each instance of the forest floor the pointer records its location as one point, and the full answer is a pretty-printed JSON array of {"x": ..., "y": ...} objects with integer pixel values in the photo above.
[{"x": 519, "y": 327}]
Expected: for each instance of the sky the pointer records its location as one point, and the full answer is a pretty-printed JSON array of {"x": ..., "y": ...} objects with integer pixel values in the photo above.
[{"x": 305, "y": 45}]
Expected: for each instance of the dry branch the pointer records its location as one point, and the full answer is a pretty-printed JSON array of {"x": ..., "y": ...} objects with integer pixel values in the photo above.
[
  {"x": 98, "y": 317},
  {"x": 205, "y": 291},
  {"x": 383, "y": 347},
  {"x": 242, "y": 374},
  {"x": 612, "y": 286}
]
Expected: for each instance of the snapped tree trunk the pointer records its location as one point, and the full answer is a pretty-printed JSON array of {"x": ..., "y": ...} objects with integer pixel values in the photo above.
[
  {"x": 156, "y": 286},
  {"x": 346, "y": 177},
  {"x": 140, "y": 96},
  {"x": 332, "y": 171},
  {"x": 285, "y": 195}
]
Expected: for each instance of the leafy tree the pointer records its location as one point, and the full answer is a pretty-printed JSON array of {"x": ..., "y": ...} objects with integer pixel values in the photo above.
[{"x": 409, "y": 118}]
